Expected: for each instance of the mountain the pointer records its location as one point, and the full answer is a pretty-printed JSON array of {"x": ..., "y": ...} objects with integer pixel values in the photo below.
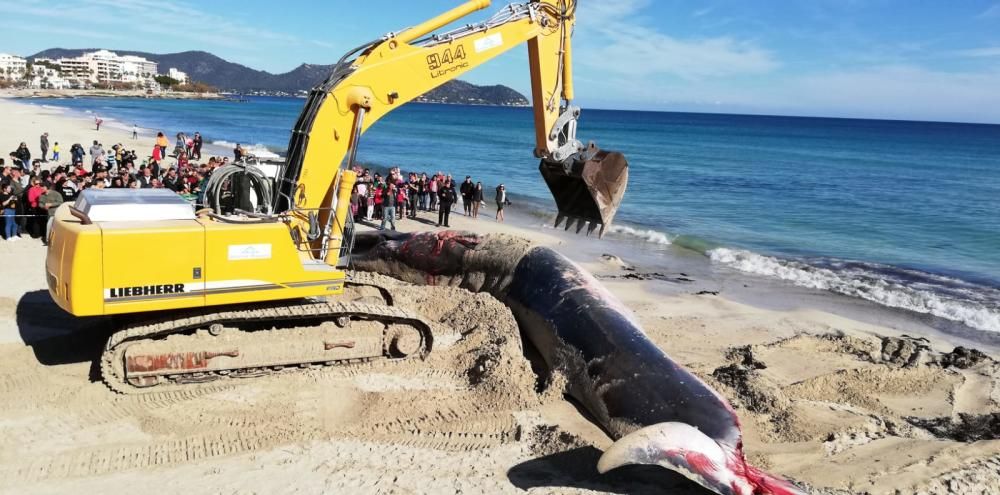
[
  {"x": 228, "y": 76},
  {"x": 463, "y": 92}
]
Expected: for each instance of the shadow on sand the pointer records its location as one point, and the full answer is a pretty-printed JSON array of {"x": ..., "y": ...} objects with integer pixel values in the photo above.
[
  {"x": 57, "y": 337},
  {"x": 577, "y": 468}
]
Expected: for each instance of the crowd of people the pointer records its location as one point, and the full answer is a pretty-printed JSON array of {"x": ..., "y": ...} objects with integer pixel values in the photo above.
[
  {"x": 32, "y": 188},
  {"x": 395, "y": 197}
]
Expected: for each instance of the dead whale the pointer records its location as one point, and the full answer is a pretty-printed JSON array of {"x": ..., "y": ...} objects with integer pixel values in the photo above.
[{"x": 657, "y": 411}]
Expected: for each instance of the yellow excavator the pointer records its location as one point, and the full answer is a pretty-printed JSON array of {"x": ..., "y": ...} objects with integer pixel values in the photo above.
[{"x": 250, "y": 294}]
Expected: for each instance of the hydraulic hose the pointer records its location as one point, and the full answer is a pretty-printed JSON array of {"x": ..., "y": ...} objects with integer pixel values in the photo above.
[{"x": 224, "y": 176}]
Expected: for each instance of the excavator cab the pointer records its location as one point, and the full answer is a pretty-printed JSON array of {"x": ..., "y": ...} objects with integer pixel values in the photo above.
[{"x": 588, "y": 188}]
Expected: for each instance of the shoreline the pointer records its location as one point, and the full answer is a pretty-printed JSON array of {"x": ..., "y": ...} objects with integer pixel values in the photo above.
[
  {"x": 831, "y": 398},
  {"x": 57, "y": 94}
]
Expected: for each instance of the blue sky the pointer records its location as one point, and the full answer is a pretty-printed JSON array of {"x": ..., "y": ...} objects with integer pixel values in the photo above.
[{"x": 926, "y": 60}]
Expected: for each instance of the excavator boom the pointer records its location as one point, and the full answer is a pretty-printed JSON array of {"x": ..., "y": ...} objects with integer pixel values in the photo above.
[
  {"x": 378, "y": 77},
  {"x": 230, "y": 261}
]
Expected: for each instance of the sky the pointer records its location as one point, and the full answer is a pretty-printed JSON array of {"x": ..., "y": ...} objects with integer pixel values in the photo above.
[{"x": 895, "y": 59}]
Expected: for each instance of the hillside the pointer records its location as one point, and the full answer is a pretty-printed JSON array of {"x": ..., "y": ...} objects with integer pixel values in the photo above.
[{"x": 208, "y": 68}]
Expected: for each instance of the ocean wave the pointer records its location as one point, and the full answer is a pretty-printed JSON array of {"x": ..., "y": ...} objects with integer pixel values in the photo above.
[
  {"x": 650, "y": 236},
  {"x": 258, "y": 150},
  {"x": 945, "y": 297}
]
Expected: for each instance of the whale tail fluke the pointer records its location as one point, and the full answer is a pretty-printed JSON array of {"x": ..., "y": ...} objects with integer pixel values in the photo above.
[{"x": 683, "y": 448}]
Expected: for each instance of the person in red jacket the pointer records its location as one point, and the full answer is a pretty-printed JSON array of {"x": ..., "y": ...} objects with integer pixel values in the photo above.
[
  {"x": 34, "y": 193},
  {"x": 379, "y": 197}
]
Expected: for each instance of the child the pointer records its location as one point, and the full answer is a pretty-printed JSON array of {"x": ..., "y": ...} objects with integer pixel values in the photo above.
[{"x": 55, "y": 152}]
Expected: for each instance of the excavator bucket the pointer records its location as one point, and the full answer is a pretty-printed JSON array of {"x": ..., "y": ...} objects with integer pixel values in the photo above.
[{"x": 590, "y": 191}]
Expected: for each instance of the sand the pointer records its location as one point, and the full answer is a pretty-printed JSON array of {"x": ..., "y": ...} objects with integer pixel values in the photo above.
[{"x": 839, "y": 405}]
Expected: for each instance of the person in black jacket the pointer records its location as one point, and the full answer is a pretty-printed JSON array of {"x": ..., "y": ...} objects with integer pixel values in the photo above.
[
  {"x": 501, "y": 201},
  {"x": 446, "y": 198},
  {"x": 76, "y": 151},
  {"x": 22, "y": 157},
  {"x": 172, "y": 181},
  {"x": 198, "y": 141},
  {"x": 466, "y": 190},
  {"x": 477, "y": 199},
  {"x": 43, "y": 142}
]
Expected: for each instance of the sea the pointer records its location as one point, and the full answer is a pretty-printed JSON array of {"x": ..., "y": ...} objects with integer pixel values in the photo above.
[{"x": 904, "y": 215}]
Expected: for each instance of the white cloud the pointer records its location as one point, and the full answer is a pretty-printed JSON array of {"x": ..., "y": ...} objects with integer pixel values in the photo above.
[
  {"x": 123, "y": 19},
  {"x": 614, "y": 40},
  {"x": 891, "y": 91},
  {"x": 65, "y": 31}
]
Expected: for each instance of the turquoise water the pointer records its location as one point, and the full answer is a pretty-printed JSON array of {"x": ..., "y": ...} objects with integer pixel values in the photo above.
[{"x": 906, "y": 214}]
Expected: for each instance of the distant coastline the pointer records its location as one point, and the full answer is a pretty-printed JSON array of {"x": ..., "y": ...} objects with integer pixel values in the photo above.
[{"x": 104, "y": 93}]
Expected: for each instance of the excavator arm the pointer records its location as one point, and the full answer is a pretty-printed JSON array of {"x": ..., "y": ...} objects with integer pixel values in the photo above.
[{"x": 380, "y": 76}]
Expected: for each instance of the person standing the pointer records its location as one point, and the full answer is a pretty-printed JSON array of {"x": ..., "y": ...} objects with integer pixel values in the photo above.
[
  {"x": 44, "y": 144},
  {"x": 413, "y": 193},
  {"x": 19, "y": 190},
  {"x": 180, "y": 145},
  {"x": 501, "y": 202},
  {"x": 432, "y": 187},
  {"x": 50, "y": 201},
  {"x": 162, "y": 143},
  {"x": 389, "y": 206},
  {"x": 135, "y": 132},
  {"x": 477, "y": 199},
  {"x": 55, "y": 152},
  {"x": 22, "y": 157},
  {"x": 197, "y": 146},
  {"x": 466, "y": 190},
  {"x": 401, "y": 202},
  {"x": 8, "y": 203},
  {"x": 424, "y": 193},
  {"x": 34, "y": 196},
  {"x": 362, "y": 200},
  {"x": 98, "y": 122},
  {"x": 446, "y": 198},
  {"x": 96, "y": 154}
]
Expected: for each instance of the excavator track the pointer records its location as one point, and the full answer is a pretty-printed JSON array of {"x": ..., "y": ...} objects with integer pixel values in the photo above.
[{"x": 197, "y": 351}]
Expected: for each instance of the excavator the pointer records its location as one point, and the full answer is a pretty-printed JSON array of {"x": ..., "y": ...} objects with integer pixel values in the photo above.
[{"x": 258, "y": 293}]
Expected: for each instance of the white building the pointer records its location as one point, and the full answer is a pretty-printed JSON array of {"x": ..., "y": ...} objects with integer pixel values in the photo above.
[
  {"x": 106, "y": 66},
  {"x": 135, "y": 69},
  {"x": 178, "y": 75},
  {"x": 12, "y": 67},
  {"x": 43, "y": 77}
]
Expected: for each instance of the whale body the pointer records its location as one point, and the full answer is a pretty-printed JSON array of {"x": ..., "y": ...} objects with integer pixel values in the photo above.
[{"x": 658, "y": 412}]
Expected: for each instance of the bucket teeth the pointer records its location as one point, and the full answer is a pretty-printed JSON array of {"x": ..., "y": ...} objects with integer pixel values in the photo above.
[
  {"x": 587, "y": 190},
  {"x": 592, "y": 227}
]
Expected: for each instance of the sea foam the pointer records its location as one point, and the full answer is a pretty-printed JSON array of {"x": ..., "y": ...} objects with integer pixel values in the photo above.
[
  {"x": 939, "y": 296},
  {"x": 258, "y": 150},
  {"x": 650, "y": 236}
]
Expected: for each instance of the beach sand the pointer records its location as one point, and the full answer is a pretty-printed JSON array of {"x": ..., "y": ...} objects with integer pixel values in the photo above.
[{"x": 838, "y": 404}]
